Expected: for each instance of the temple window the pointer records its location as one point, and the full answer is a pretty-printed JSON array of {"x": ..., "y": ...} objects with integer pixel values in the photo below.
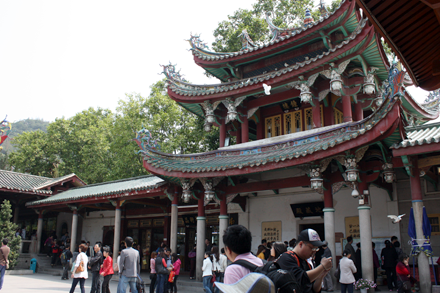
[
  {"x": 434, "y": 220},
  {"x": 339, "y": 116},
  {"x": 292, "y": 122},
  {"x": 273, "y": 126},
  {"x": 308, "y": 113}
]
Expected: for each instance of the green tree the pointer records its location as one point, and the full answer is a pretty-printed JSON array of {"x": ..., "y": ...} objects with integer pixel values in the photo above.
[
  {"x": 7, "y": 230},
  {"x": 284, "y": 14}
]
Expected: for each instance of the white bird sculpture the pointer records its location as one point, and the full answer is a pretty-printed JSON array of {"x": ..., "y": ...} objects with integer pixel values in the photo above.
[
  {"x": 395, "y": 219},
  {"x": 266, "y": 89}
]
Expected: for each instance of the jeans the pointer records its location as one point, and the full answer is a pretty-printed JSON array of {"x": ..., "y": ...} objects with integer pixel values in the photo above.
[
  {"x": 2, "y": 276},
  {"x": 153, "y": 278},
  {"x": 161, "y": 280},
  {"x": 124, "y": 282},
  {"x": 104, "y": 286},
  {"x": 207, "y": 284},
  {"x": 81, "y": 285},
  {"x": 345, "y": 287},
  {"x": 95, "y": 282}
]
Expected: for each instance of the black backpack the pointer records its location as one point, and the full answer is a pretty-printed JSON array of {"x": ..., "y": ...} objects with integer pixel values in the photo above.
[{"x": 284, "y": 281}]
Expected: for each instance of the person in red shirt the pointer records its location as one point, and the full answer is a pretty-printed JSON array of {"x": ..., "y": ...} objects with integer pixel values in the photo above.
[
  {"x": 106, "y": 269},
  {"x": 403, "y": 275}
]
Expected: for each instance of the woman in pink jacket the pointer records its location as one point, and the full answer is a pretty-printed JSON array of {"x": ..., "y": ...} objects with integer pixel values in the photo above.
[{"x": 176, "y": 268}]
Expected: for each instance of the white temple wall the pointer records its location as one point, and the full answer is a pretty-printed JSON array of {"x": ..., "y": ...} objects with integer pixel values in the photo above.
[
  {"x": 61, "y": 219},
  {"x": 94, "y": 223}
]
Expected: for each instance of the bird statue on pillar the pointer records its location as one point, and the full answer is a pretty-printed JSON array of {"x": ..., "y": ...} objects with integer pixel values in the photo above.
[{"x": 395, "y": 219}]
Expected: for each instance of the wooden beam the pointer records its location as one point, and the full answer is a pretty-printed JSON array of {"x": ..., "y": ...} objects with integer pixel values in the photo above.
[
  {"x": 417, "y": 150},
  {"x": 98, "y": 208},
  {"x": 429, "y": 161}
]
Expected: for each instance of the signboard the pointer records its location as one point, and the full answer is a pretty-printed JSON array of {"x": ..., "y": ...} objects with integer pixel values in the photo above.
[
  {"x": 158, "y": 222},
  {"x": 133, "y": 224},
  {"x": 352, "y": 227},
  {"x": 145, "y": 223},
  {"x": 271, "y": 231},
  {"x": 190, "y": 220},
  {"x": 233, "y": 219},
  {"x": 311, "y": 209}
]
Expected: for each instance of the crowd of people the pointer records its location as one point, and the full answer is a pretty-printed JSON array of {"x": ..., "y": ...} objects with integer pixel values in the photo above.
[{"x": 164, "y": 270}]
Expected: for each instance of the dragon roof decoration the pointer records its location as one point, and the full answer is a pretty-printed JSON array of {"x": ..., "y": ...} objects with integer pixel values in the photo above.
[
  {"x": 278, "y": 35},
  {"x": 246, "y": 41},
  {"x": 182, "y": 87}
]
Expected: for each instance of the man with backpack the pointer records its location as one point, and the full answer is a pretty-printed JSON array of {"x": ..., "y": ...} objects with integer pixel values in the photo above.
[
  {"x": 238, "y": 240},
  {"x": 295, "y": 261},
  {"x": 66, "y": 256}
]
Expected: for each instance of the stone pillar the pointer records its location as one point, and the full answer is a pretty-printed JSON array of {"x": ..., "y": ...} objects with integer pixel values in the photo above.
[
  {"x": 316, "y": 115},
  {"x": 167, "y": 228},
  {"x": 245, "y": 129},
  {"x": 222, "y": 133},
  {"x": 329, "y": 220},
  {"x": 223, "y": 220},
  {"x": 346, "y": 109},
  {"x": 117, "y": 231},
  {"x": 39, "y": 230},
  {"x": 74, "y": 230},
  {"x": 16, "y": 211},
  {"x": 174, "y": 216},
  {"x": 417, "y": 205},
  {"x": 366, "y": 236},
  {"x": 358, "y": 111},
  {"x": 201, "y": 226}
]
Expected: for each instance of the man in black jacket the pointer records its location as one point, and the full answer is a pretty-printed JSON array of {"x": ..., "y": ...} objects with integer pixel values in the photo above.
[{"x": 95, "y": 263}]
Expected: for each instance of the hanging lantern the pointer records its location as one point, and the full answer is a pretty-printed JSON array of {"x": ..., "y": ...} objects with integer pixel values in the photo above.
[
  {"x": 209, "y": 195},
  {"x": 369, "y": 88},
  {"x": 316, "y": 183},
  {"x": 210, "y": 118},
  {"x": 388, "y": 174},
  {"x": 232, "y": 115},
  {"x": 352, "y": 174},
  {"x": 207, "y": 127},
  {"x": 336, "y": 84},
  {"x": 305, "y": 96},
  {"x": 186, "y": 196}
]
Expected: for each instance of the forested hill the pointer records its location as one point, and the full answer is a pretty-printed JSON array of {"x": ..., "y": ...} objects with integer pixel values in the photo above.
[{"x": 21, "y": 126}]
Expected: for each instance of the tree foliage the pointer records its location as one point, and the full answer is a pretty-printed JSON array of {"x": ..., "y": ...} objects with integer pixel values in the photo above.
[
  {"x": 284, "y": 14},
  {"x": 97, "y": 145},
  {"x": 7, "y": 230}
]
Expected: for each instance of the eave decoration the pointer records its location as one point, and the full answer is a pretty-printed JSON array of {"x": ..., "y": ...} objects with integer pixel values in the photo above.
[
  {"x": 186, "y": 188},
  {"x": 171, "y": 73},
  {"x": 432, "y": 102},
  {"x": 369, "y": 85},
  {"x": 388, "y": 173},
  {"x": 304, "y": 86},
  {"x": 145, "y": 140},
  {"x": 209, "y": 114},
  {"x": 334, "y": 74},
  {"x": 5, "y": 129},
  {"x": 196, "y": 42},
  {"x": 232, "y": 108},
  {"x": 246, "y": 41}
]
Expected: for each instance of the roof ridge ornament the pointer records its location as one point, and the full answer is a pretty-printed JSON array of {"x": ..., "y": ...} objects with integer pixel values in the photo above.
[
  {"x": 308, "y": 19},
  {"x": 432, "y": 101},
  {"x": 145, "y": 140},
  {"x": 323, "y": 9},
  {"x": 171, "y": 73},
  {"x": 277, "y": 32},
  {"x": 246, "y": 41},
  {"x": 196, "y": 42}
]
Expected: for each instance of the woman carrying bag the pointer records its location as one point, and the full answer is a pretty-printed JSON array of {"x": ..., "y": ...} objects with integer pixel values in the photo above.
[
  {"x": 176, "y": 270},
  {"x": 106, "y": 270},
  {"x": 80, "y": 269},
  {"x": 161, "y": 272},
  {"x": 347, "y": 271},
  {"x": 404, "y": 279}
]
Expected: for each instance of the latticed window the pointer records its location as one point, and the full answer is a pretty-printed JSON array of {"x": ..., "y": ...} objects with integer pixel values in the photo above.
[
  {"x": 434, "y": 219},
  {"x": 308, "y": 113},
  {"x": 339, "y": 116},
  {"x": 273, "y": 126},
  {"x": 292, "y": 122}
]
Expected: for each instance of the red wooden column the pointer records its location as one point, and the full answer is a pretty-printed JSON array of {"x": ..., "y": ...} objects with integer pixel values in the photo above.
[
  {"x": 417, "y": 205},
  {"x": 238, "y": 137},
  {"x": 260, "y": 129},
  {"x": 329, "y": 218},
  {"x": 358, "y": 112},
  {"x": 346, "y": 109},
  {"x": 223, "y": 220},
  {"x": 316, "y": 115},
  {"x": 245, "y": 129},
  {"x": 222, "y": 133},
  {"x": 201, "y": 232},
  {"x": 329, "y": 116}
]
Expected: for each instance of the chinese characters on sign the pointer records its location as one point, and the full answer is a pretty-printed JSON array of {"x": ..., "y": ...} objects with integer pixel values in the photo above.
[
  {"x": 352, "y": 227},
  {"x": 190, "y": 220},
  {"x": 271, "y": 231},
  {"x": 311, "y": 209}
]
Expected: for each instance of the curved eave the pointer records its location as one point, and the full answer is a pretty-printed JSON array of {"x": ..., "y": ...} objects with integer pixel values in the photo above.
[
  {"x": 360, "y": 42},
  {"x": 273, "y": 47},
  {"x": 280, "y": 155},
  {"x": 415, "y": 109}
]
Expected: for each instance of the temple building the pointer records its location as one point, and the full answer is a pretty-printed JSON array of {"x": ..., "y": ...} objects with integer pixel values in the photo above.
[{"x": 316, "y": 130}]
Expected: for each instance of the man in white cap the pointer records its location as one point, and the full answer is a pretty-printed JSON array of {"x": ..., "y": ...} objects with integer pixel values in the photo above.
[
  {"x": 307, "y": 244},
  {"x": 251, "y": 283}
]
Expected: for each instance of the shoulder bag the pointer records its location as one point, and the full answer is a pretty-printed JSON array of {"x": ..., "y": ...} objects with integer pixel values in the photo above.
[
  {"x": 80, "y": 267},
  {"x": 7, "y": 260},
  {"x": 406, "y": 285}
]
